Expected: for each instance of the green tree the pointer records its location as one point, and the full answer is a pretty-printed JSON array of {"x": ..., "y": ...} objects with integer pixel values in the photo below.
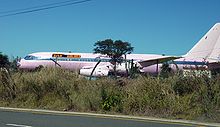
[
  {"x": 165, "y": 70},
  {"x": 113, "y": 49},
  {"x": 6, "y": 81},
  {"x": 4, "y": 62}
]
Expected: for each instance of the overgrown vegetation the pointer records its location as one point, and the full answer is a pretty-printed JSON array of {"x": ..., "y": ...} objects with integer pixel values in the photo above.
[{"x": 177, "y": 97}]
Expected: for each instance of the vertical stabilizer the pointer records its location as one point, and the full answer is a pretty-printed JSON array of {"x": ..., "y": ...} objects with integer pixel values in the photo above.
[{"x": 208, "y": 46}]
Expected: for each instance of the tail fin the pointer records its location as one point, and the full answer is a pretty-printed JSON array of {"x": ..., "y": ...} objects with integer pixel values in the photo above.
[{"x": 208, "y": 46}]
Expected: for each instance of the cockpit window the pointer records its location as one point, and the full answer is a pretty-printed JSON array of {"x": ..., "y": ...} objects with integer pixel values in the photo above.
[{"x": 30, "y": 57}]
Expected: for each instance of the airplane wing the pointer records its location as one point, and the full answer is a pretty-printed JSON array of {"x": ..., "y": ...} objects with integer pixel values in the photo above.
[{"x": 156, "y": 60}]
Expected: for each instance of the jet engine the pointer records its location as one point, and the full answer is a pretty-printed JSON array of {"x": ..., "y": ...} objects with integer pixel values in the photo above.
[{"x": 98, "y": 72}]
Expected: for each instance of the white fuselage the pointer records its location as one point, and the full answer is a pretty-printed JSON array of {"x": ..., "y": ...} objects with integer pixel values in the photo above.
[{"x": 89, "y": 60}]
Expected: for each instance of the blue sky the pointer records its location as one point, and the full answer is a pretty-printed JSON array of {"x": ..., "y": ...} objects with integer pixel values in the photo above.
[{"x": 168, "y": 27}]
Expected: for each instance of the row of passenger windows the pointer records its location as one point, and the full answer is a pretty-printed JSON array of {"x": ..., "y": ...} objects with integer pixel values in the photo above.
[
  {"x": 82, "y": 59},
  {"x": 30, "y": 57}
]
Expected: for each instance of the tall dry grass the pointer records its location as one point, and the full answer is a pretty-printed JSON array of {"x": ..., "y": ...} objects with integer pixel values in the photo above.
[{"x": 173, "y": 97}]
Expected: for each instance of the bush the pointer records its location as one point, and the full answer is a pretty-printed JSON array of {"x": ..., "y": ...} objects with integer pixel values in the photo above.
[{"x": 111, "y": 98}]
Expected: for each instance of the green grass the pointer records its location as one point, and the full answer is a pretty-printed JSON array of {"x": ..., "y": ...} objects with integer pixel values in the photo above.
[{"x": 178, "y": 97}]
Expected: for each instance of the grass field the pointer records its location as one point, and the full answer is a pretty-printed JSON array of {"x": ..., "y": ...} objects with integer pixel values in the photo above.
[{"x": 177, "y": 97}]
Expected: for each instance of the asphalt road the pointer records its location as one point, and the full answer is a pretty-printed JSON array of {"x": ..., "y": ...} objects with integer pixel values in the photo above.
[{"x": 34, "y": 119}]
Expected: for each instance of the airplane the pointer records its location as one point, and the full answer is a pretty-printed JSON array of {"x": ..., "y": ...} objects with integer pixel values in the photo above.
[{"x": 204, "y": 55}]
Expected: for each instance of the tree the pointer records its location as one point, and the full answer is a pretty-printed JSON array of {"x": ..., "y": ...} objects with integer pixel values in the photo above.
[
  {"x": 114, "y": 50},
  {"x": 5, "y": 77},
  {"x": 165, "y": 70},
  {"x": 4, "y": 62}
]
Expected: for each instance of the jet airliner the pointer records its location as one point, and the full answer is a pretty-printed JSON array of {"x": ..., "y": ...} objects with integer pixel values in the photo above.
[{"x": 204, "y": 55}]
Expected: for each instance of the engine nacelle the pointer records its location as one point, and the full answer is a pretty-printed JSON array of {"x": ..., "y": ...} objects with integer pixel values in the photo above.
[{"x": 97, "y": 73}]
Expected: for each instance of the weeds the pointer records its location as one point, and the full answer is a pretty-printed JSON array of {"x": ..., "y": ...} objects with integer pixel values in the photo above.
[{"x": 57, "y": 89}]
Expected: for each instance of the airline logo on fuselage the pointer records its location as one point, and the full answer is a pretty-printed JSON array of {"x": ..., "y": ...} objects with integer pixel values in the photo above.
[{"x": 67, "y": 56}]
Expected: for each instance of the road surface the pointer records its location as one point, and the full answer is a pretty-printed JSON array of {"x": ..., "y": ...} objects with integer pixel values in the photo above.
[{"x": 13, "y": 118}]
